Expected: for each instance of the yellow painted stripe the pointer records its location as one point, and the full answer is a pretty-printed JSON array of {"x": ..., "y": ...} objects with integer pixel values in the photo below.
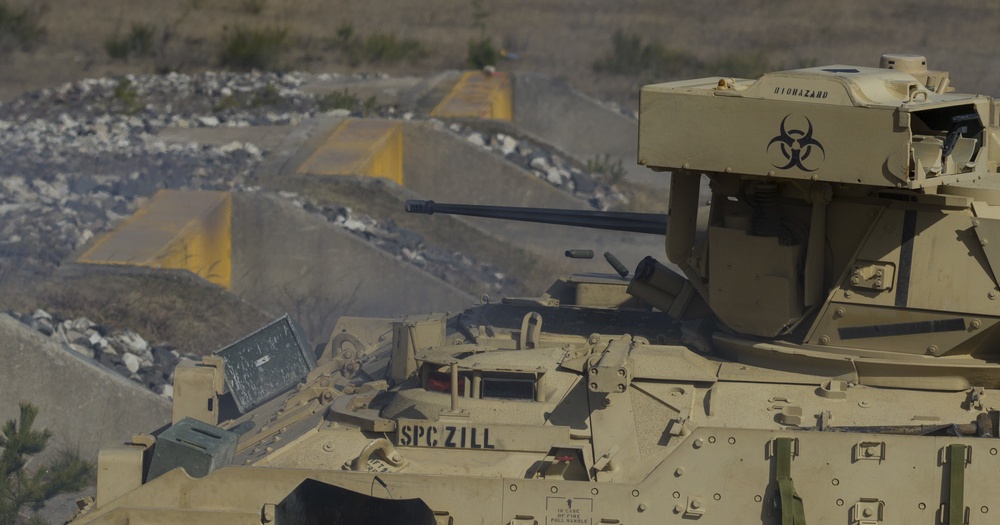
[
  {"x": 184, "y": 230},
  {"x": 478, "y": 95},
  {"x": 368, "y": 147}
]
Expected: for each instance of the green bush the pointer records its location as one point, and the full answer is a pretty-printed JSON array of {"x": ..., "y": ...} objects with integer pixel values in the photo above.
[
  {"x": 630, "y": 55},
  {"x": 139, "y": 41},
  {"x": 252, "y": 48},
  {"x": 20, "y": 27},
  {"x": 345, "y": 99},
  {"x": 253, "y": 7},
  {"x": 611, "y": 170},
  {"x": 18, "y": 440},
  {"x": 376, "y": 48},
  {"x": 482, "y": 53},
  {"x": 127, "y": 98}
]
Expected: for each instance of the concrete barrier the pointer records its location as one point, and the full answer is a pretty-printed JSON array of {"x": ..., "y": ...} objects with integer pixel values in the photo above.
[
  {"x": 184, "y": 230},
  {"x": 286, "y": 260},
  {"x": 84, "y": 405},
  {"x": 368, "y": 147},
  {"x": 446, "y": 168},
  {"x": 478, "y": 95},
  {"x": 583, "y": 127}
]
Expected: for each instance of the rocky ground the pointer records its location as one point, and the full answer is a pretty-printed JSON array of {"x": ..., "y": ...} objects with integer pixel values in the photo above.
[{"x": 76, "y": 160}]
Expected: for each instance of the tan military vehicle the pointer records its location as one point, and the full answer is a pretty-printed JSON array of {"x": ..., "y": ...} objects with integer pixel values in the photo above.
[{"x": 830, "y": 355}]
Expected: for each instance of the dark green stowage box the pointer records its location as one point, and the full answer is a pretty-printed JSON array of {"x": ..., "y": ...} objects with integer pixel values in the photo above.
[{"x": 197, "y": 447}]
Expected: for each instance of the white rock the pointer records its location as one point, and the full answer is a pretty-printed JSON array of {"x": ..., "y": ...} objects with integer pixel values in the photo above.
[
  {"x": 539, "y": 163},
  {"x": 476, "y": 139},
  {"x": 355, "y": 225},
  {"x": 41, "y": 314},
  {"x": 131, "y": 362},
  {"x": 167, "y": 391},
  {"x": 338, "y": 113},
  {"x": 553, "y": 176},
  {"x": 132, "y": 343},
  {"x": 82, "y": 350},
  {"x": 209, "y": 121},
  {"x": 231, "y": 147},
  {"x": 508, "y": 145}
]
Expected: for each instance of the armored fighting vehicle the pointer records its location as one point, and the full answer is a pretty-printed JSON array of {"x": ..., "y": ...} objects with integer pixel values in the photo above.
[{"x": 822, "y": 348}]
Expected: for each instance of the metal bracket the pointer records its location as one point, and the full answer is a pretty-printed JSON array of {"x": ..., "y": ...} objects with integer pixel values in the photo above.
[
  {"x": 869, "y": 450},
  {"x": 868, "y": 511}
]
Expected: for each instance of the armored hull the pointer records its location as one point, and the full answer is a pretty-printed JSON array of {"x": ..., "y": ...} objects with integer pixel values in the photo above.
[{"x": 823, "y": 350}]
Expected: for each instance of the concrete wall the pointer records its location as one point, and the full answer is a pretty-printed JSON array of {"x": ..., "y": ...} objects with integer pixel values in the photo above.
[
  {"x": 579, "y": 125},
  {"x": 443, "y": 167},
  {"x": 84, "y": 405},
  {"x": 286, "y": 260}
]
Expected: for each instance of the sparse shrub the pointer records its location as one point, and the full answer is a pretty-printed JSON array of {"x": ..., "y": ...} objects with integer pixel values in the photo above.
[
  {"x": 21, "y": 27},
  {"x": 139, "y": 41},
  {"x": 18, "y": 440},
  {"x": 345, "y": 32},
  {"x": 376, "y": 48},
  {"x": 608, "y": 168},
  {"x": 252, "y": 48},
  {"x": 345, "y": 99},
  {"x": 253, "y": 7},
  {"x": 338, "y": 100},
  {"x": 629, "y": 55},
  {"x": 127, "y": 97},
  {"x": 482, "y": 53},
  {"x": 266, "y": 97}
]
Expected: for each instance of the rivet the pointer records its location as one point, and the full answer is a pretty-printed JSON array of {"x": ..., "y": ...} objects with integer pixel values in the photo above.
[
  {"x": 607, "y": 401},
  {"x": 717, "y": 496},
  {"x": 921, "y": 506},
  {"x": 757, "y": 498},
  {"x": 678, "y": 509},
  {"x": 594, "y": 491},
  {"x": 635, "y": 493},
  {"x": 932, "y": 349},
  {"x": 824, "y": 339},
  {"x": 593, "y": 386},
  {"x": 975, "y": 323},
  {"x": 732, "y": 441},
  {"x": 848, "y": 293},
  {"x": 711, "y": 439},
  {"x": 984, "y": 242},
  {"x": 984, "y": 509},
  {"x": 840, "y": 503},
  {"x": 679, "y": 472},
  {"x": 676, "y": 494},
  {"x": 835, "y": 481},
  {"x": 698, "y": 443},
  {"x": 770, "y": 173},
  {"x": 841, "y": 312},
  {"x": 993, "y": 451},
  {"x": 554, "y": 489},
  {"x": 594, "y": 371},
  {"x": 642, "y": 507},
  {"x": 696, "y": 503},
  {"x": 992, "y": 294},
  {"x": 867, "y": 513}
]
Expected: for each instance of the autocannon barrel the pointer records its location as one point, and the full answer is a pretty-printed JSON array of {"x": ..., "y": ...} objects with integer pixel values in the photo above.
[{"x": 653, "y": 223}]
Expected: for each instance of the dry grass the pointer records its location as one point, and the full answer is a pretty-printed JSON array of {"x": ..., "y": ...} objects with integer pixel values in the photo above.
[
  {"x": 956, "y": 37},
  {"x": 193, "y": 316}
]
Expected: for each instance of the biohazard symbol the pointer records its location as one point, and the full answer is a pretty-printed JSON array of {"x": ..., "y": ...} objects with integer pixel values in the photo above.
[{"x": 796, "y": 146}]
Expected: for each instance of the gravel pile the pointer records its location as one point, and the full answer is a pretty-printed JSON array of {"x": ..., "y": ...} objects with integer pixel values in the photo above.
[
  {"x": 76, "y": 159},
  {"x": 407, "y": 245},
  {"x": 123, "y": 351},
  {"x": 548, "y": 166}
]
